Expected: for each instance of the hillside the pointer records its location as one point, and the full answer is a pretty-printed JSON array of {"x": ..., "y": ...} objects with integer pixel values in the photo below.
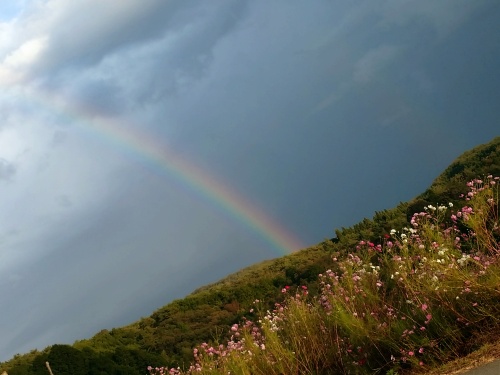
[{"x": 168, "y": 336}]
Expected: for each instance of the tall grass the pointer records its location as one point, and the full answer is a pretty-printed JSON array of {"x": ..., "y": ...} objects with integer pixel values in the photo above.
[{"x": 412, "y": 300}]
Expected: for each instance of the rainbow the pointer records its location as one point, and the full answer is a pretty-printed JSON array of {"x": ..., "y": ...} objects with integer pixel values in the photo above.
[{"x": 164, "y": 160}]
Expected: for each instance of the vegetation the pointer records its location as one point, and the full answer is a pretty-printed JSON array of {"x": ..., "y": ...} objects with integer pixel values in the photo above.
[
  {"x": 410, "y": 301},
  {"x": 364, "y": 302}
]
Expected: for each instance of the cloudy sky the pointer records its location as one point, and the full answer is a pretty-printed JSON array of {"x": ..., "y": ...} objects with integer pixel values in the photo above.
[{"x": 150, "y": 147}]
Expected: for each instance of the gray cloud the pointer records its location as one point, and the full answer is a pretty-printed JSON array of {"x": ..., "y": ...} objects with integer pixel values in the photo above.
[
  {"x": 7, "y": 170},
  {"x": 375, "y": 60},
  {"x": 64, "y": 201},
  {"x": 443, "y": 16},
  {"x": 81, "y": 34},
  {"x": 174, "y": 50},
  {"x": 59, "y": 137}
]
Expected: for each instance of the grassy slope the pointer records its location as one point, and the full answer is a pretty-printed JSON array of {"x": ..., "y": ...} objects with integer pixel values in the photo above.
[{"x": 168, "y": 335}]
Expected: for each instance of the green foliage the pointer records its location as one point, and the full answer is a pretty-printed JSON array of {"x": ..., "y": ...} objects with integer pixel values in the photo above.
[{"x": 65, "y": 360}]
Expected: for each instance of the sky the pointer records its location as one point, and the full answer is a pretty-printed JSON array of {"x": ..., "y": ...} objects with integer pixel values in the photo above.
[{"x": 148, "y": 148}]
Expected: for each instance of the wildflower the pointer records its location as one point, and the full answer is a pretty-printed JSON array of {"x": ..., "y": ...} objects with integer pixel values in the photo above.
[
  {"x": 411, "y": 354},
  {"x": 421, "y": 350},
  {"x": 424, "y": 307}
]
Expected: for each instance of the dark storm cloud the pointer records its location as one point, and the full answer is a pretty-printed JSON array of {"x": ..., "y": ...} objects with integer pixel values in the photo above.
[
  {"x": 81, "y": 34},
  {"x": 135, "y": 63},
  {"x": 343, "y": 75}
]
